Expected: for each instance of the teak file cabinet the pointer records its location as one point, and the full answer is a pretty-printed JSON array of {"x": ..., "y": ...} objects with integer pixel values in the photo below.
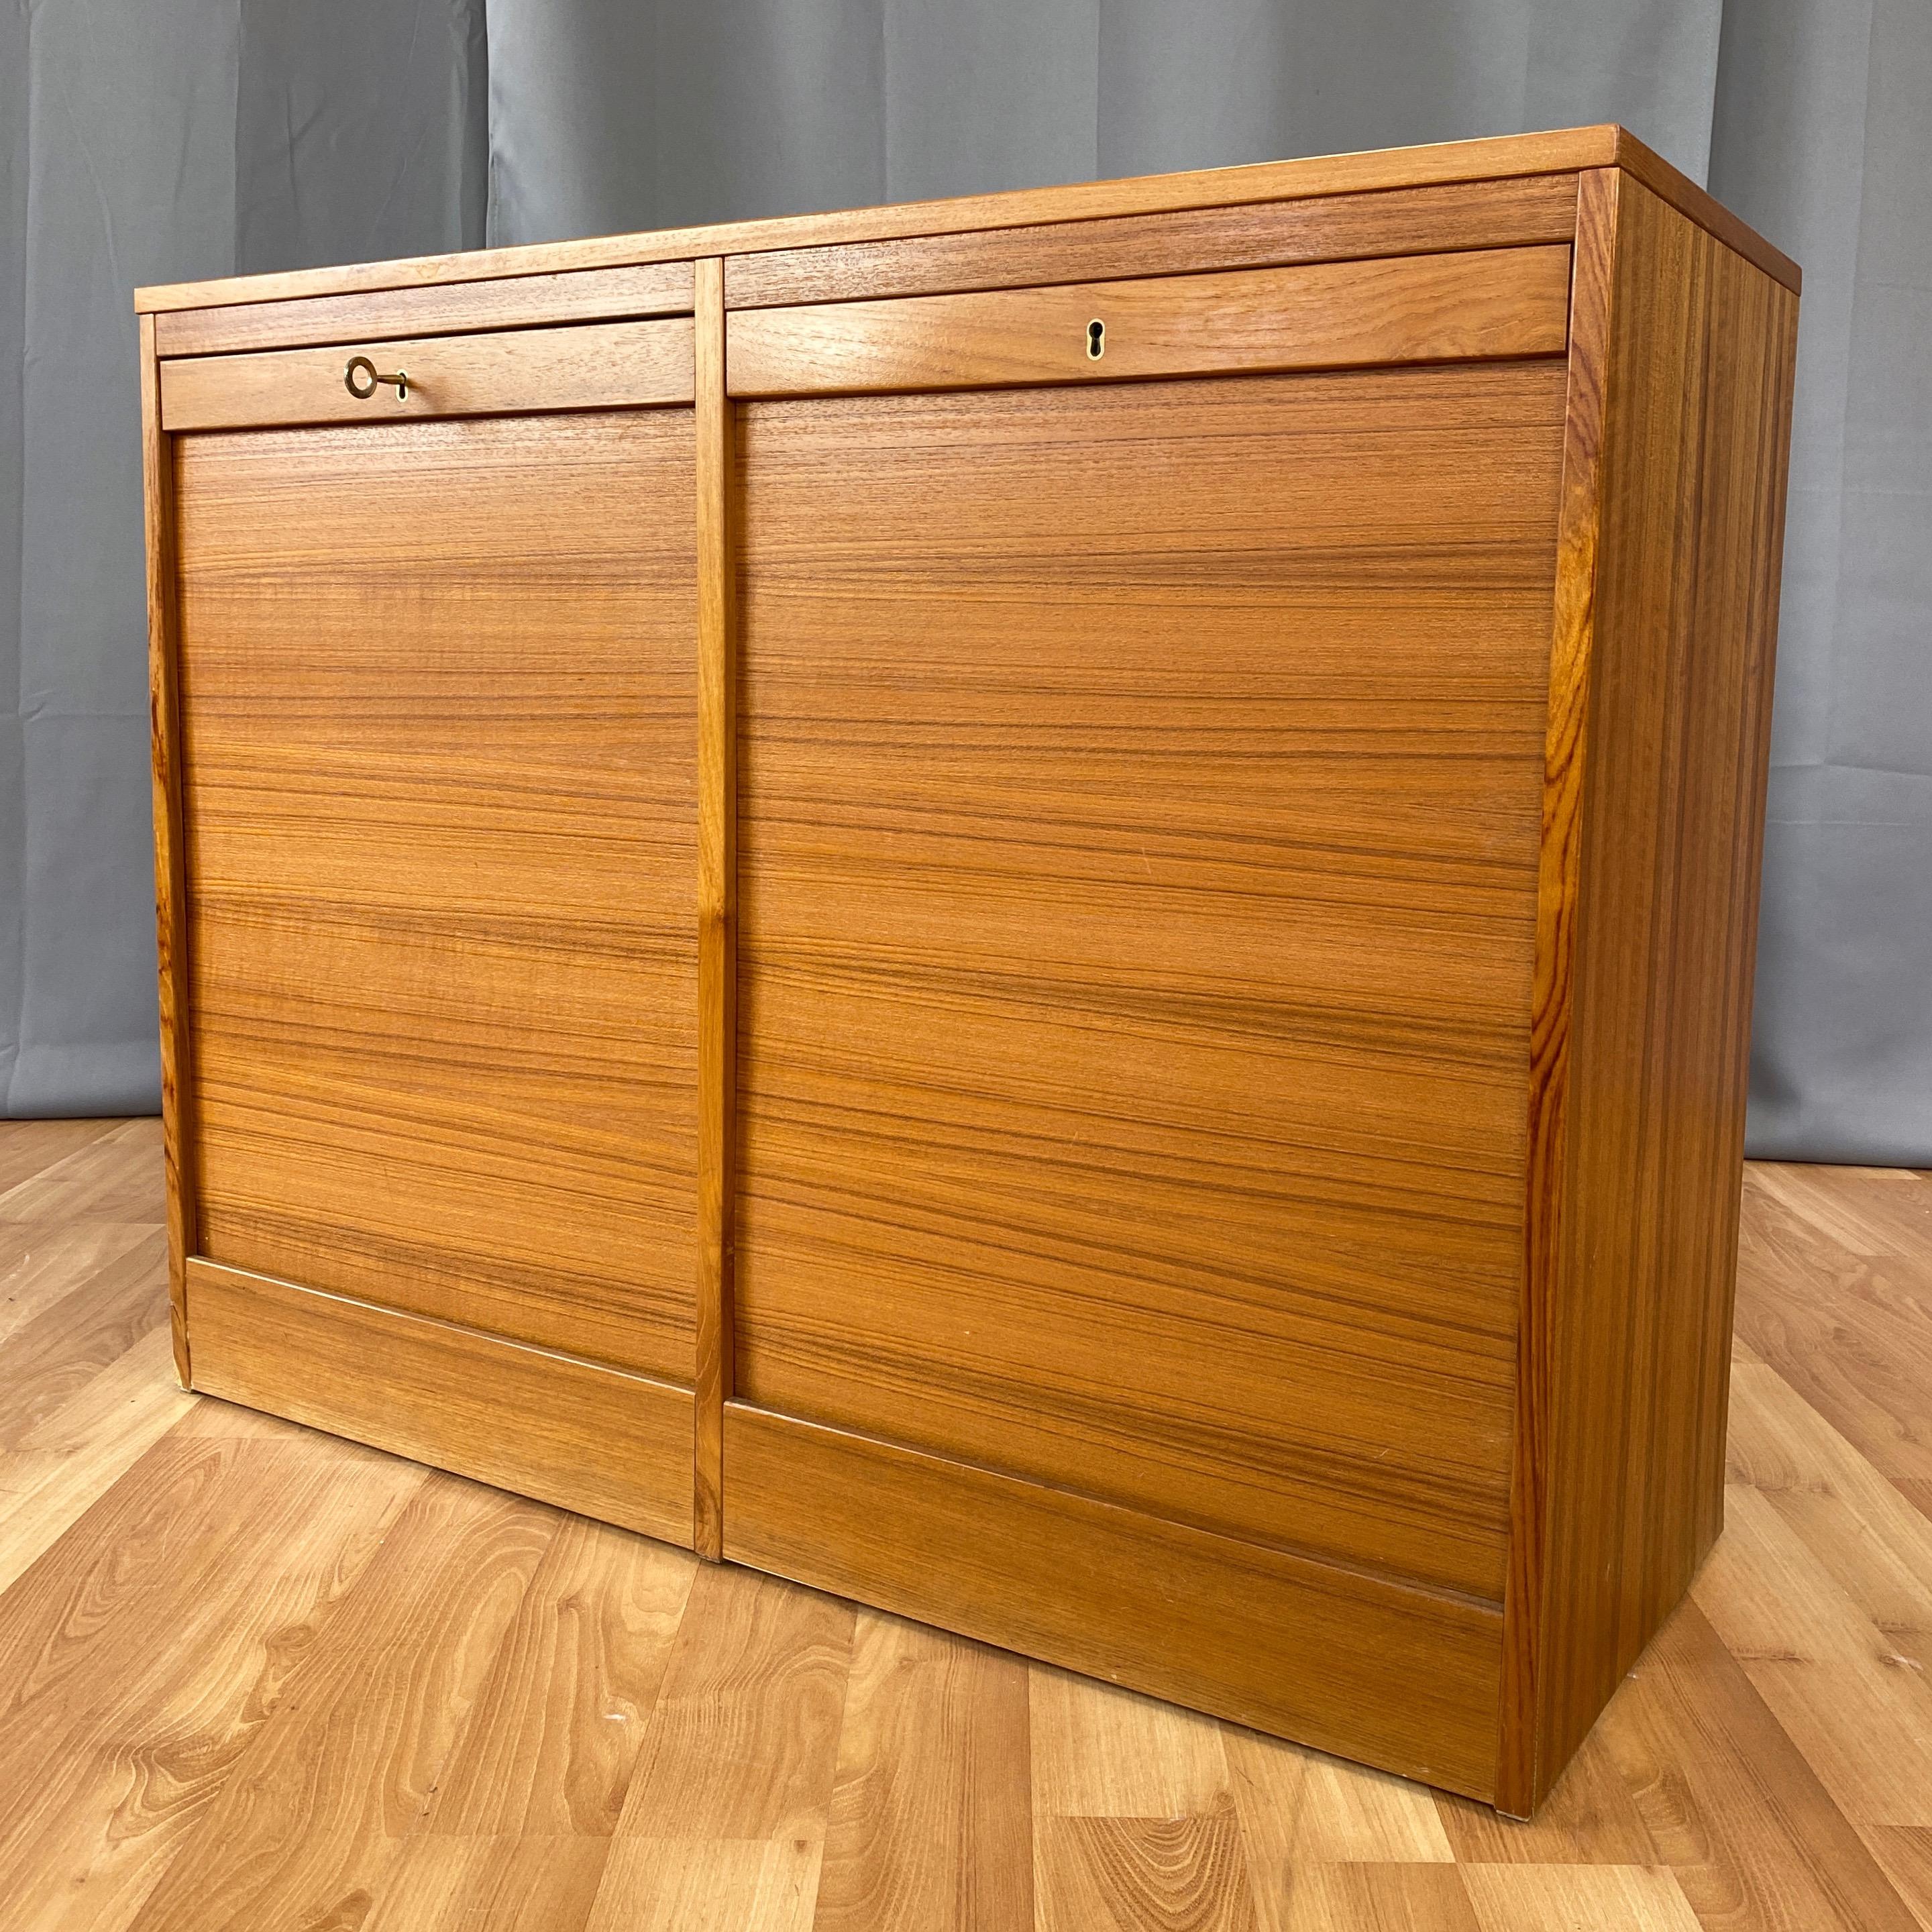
[{"x": 1040, "y": 909}]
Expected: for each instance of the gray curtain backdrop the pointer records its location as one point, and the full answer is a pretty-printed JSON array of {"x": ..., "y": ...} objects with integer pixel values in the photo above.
[
  {"x": 160, "y": 141},
  {"x": 194, "y": 137}
]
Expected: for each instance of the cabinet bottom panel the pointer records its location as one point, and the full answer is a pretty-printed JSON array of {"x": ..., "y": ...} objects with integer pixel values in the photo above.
[
  {"x": 1396, "y": 1677},
  {"x": 606, "y": 1444}
]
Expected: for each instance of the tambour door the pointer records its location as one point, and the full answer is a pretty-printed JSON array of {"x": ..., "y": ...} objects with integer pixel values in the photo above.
[
  {"x": 437, "y": 691},
  {"x": 1143, "y": 697}
]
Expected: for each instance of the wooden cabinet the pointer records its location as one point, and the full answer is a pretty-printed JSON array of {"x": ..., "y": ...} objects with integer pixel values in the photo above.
[{"x": 1040, "y": 909}]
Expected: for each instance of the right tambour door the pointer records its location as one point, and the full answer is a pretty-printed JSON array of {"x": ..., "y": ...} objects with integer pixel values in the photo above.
[{"x": 1138, "y": 817}]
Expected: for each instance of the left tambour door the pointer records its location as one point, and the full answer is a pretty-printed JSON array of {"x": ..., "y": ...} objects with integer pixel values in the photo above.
[{"x": 437, "y": 697}]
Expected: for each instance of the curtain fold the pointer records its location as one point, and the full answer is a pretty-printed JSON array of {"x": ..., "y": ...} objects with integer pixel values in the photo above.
[
  {"x": 167, "y": 141},
  {"x": 1822, "y": 140},
  {"x": 198, "y": 137}
]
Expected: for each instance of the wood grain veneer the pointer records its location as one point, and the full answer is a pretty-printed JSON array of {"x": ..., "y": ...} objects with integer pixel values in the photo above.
[
  {"x": 439, "y": 695},
  {"x": 1675, "y": 485},
  {"x": 1131, "y": 1070},
  {"x": 588, "y": 1437},
  {"x": 1269, "y": 234},
  {"x": 595, "y": 367},
  {"x": 717, "y": 897},
  {"x": 170, "y": 883},
  {"x": 1100, "y": 999},
  {"x": 522, "y": 301},
  {"x": 1418, "y": 308},
  {"x": 1342, "y": 1660}
]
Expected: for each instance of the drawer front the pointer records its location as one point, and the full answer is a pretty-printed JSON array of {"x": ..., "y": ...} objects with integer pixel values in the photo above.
[
  {"x": 446, "y": 308},
  {"x": 616, "y": 365},
  {"x": 1455, "y": 215},
  {"x": 1481, "y": 304}
]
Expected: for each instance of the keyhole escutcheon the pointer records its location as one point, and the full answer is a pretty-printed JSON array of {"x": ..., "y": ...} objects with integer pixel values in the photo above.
[{"x": 1096, "y": 341}]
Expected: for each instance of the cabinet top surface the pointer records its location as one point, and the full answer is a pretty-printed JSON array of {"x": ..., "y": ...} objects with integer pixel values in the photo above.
[{"x": 1495, "y": 159}]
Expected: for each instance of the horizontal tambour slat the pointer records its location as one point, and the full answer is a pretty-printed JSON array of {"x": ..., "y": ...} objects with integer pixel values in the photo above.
[
  {"x": 588, "y": 1438},
  {"x": 597, "y": 366},
  {"x": 1400, "y": 1678},
  {"x": 1475, "y": 305},
  {"x": 1268, "y": 234},
  {"x": 520, "y": 302}
]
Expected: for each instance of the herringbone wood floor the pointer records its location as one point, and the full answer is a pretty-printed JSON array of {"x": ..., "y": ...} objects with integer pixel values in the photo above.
[{"x": 251, "y": 1677}]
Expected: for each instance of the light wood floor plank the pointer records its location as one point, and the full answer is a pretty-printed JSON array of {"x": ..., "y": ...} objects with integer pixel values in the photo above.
[
  {"x": 1580, "y": 1898},
  {"x": 28, "y": 1148},
  {"x": 1101, "y": 1752},
  {"x": 441, "y": 1883},
  {"x": 1300, "y": 1811},
  {"x": 1904, "y": 1854},
  {"x": 708, "y": 1885},
  {"x": 1868, "y": 1535},
  {"x": 549, "y": 1751},
  {"x": 1729, "y": 1802},
  {"x": 61, "y": 1467},
  {"x": 1378, "y": 1898},
  {"x": 143, "y": 1654},
  {"x": 1868, "y": 1210},
  {"x": 51, "y": 1356},
  {"x": 1118, "y": 1874},
  {"x": 931, "y": 1828},
  {"x": 724, "y": 1821},
  {"x": 41, "y": 1263},
  {"x": 743, "y": 1741},
  {"x": 306, "y": 1830},
  {"x": 1862, "y": 1715},
  {"x": 115, "y": 1176},
  {"x": 1591, "y": 1817},
  {"x": 1851, "y": 1335},
  {"x": 251, "y": 1676}
]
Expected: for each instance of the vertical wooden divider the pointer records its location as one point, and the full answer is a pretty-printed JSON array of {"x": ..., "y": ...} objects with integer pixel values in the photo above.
[
  {"x": 717, "y": 901},
  {"x": 170, "y": 881},
  {"x": 1552, "y": 987}
]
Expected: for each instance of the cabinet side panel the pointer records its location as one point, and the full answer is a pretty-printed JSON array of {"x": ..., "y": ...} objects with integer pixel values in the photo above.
[{"x": 1691, "y": 489}]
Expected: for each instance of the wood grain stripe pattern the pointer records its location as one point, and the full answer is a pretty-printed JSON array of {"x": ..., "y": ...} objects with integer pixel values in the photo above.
[
  {"x": 1192, "y": 241},
  {"x": 1131, "y": 1060},
  {"x": 1480, "y": 304},
  {"x": 440, "y": 707},
  {"x": 1403, "y": 1679},
  {"x": 586, "y": 1437},
  {"x": 1558, "y": 861},
  {"x": 603, "y": 366},
  {"x": 171, "y": 907},
  {"x": 717, "y": 897},
  {"x": 525, "y": 301}
]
